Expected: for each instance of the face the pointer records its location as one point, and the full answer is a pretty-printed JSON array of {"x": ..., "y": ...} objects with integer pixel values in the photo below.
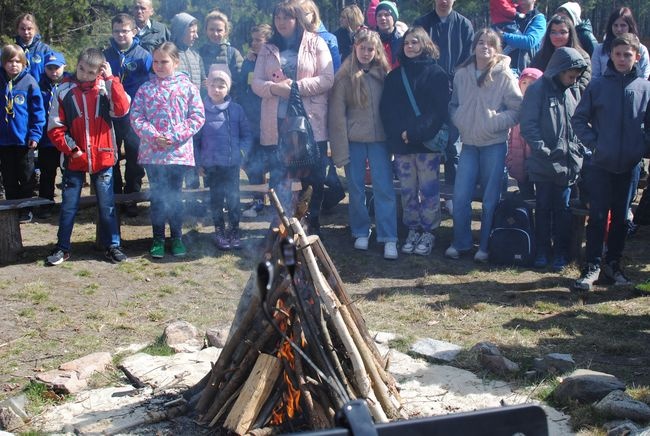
[
  {"x": 216, "y": 30},
  {"x": 525, "y": 83},
  {"x": 54, "y": 73},
  {"x": 559, "y": 35},
  {"x": 385, "y": 22},
  {"x": 412, "y": 46},
  {"x": 142, "y": 11},
  {"x": 444, "y": 7},
  {"x": 526, "y": 4},
  {"x": 123, "y": 35},
  {"x": 620, "y": 27},
  {"x": 365, "y": 52},
  {"x": 163, "y": 64},
  {"x": 13, "y": 66},
  {"x": 484, "y": 50},
  {"x": 217, "y": 90},
  {"x": 191, "y": 35},
  {"x": 26, "y": 31},
  {"x": 285, "y": 24},
  {"x": 569, "y": 77},
  {"x": 86, "y": 73},
  {"x": 624, "y": 57},
  {"x": 257, "y": 41},
  {"x": 343, "y": 21}
]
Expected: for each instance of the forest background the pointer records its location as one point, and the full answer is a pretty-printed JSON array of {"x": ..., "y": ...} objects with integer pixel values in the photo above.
[{"x": 70, "y": 25}]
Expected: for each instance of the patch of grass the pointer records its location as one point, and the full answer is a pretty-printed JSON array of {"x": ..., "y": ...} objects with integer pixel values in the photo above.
[
  {"x": 401, "y": 344},
  {"x": 640, "y": 393},
  {"x": 39, "y": 396},
  {"x": 158, "y": 348},
  {"x": 166, "y": 290},
  {"x": 102, "y": 379},
  {"x": 83, "y": 273},
  {"x": 36, "y": 292},
  {"x": 90, "y": 288},
  {"x": 586, "y": 417},
  {"x": 156, "y": 315},
  {"x": 547, "y": 307},
  {"x": 95, "y": 316},
  {"x": 27, "y": 312}
]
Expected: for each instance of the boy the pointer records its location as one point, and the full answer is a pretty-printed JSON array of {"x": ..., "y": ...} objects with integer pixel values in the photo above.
[
  {"x": 131, "y": 63},
  {"x": 609, "y": 120},
  {"x": 80, "y": 127},
  {"x": 48, "y": 155}
]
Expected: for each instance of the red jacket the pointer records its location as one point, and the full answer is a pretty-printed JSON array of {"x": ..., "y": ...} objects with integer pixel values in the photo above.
[
  {"x": 518, "y": 152},
  {"x": 80, "y": 116}
]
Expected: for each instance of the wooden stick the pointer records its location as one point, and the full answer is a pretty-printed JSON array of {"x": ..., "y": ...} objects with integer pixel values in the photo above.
[{"x": 335, "y": 359}]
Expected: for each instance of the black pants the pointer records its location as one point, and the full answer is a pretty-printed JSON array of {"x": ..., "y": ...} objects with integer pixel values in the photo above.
[
  {"x": 224, "y": 186},
  {"x": 17, "y": 168},
  {"x": 49, "y": 159},
  {"x": 133, "y": 172},
  {"x": 315, "y": 177}
]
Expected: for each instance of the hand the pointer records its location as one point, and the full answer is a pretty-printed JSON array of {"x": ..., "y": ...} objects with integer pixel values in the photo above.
[
  {"x": 32, "y": 144},
  {"x": 77, "y": 153},
  {"x": 405, "y": 137},
  {"x": 282, "y": 89},
  {"x": 105, "y": 70},
  {"x": 163, "y": 142}
]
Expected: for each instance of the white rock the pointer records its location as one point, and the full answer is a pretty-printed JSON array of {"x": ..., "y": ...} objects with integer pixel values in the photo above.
[
  {"x": 183, "y": 337},
  {"x": 436, "y": 350}
]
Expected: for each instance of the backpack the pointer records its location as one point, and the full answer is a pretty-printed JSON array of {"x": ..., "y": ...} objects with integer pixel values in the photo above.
[{"x": 512, "y": 239}]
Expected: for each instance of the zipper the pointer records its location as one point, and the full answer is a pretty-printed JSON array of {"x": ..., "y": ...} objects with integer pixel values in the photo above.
[{"x": 87, "y": 133}]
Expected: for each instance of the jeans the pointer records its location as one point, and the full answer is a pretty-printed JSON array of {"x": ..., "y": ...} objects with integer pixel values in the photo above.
[
  {"x": 133, "y": 172},
  {"x": 165, "y": 183},
  {"x": 382, "y": 187},
  {"x": 17, "y": 168},
  {"x": 72, "y": 183},
  {"x": 418, "y": 176},
  {"x": 610, "y": 192},
  {"x": 482, "y": 164},
  {"x": 552, "y": 217},
  {"x": 224, "y": 185}
]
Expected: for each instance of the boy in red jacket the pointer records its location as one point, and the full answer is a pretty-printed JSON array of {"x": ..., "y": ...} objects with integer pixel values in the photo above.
[{"x": 80, "y": 127}]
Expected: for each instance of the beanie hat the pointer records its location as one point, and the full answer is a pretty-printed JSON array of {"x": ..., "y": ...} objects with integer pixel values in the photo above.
[
  {"x": 218, "y": 73},
  {"x": 573, "y": 10},
  {"x": 388, "y": 6},
  {"x": 533, "y": 73}
]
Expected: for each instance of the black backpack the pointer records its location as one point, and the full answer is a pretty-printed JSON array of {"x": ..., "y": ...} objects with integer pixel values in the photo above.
[{"x": 512, "y": 240}]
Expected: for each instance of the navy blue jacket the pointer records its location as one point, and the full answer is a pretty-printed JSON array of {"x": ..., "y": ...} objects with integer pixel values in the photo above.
[
  {"x": 28, "y": 118},
  {"x": 35, "y": 54},
  {"x": 251, "y": 102},
  {"x": 48, "y": 91},
  {"x": 225, "y": 135},
  {"x": 132, "y": 66}
]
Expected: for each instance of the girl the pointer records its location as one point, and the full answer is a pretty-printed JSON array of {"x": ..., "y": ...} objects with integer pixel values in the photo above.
[
  {"x": 294, "y": 54},
  {"x": 417, "y": 166},
  {"x": 218, "y": 50},
  {"x": 351, "y": 19},
  {"x": 620, "y": 21},
  {"x": 484, "y": 106},
  {"x": 560, "y": 32},
  {"x": 166, "y": 112},
  {"x": 357, "y": 135},
  {"x": 29, "y": 39}
]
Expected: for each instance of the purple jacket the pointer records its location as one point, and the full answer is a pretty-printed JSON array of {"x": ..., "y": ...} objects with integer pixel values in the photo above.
[{"x": 226, "y": 134}]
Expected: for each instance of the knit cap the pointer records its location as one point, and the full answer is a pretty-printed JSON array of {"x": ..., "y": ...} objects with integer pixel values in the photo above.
[
  {"x": 533, "y": 73},
  {"x": 389, "y": 6},
  {"x": 573, "y": 10},
  {"x": 218, "y": 73}
]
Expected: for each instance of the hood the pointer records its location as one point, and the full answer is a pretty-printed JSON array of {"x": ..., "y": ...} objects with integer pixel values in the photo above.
[
  {"x": 564, "y": 58},
  {"x": 585, "y": 26},
  {"x": 503, "y": 63},
  {"x": 574, "y": 11},
  {"x": 35, "y": 41},
  {"x": 216, "y": 108},
  {"x": 179, "y": 25}
]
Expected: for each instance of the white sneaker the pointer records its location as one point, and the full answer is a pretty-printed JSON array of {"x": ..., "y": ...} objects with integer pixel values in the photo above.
[
  {"x": 390, "y": 250},
  {"x": 361, "y": 243},
  {"x": 411, "y": 241},
  {"x": 481, "y": 256},
  {"x": 425, "y": 244},
  {"x": 249, "y": 213},
  {"x": 452, "y": 253},
  {"x": 449, "y": 204}
]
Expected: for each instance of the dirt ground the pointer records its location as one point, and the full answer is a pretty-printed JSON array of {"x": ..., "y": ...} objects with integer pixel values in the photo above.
[{"x": 55, "y": 314}]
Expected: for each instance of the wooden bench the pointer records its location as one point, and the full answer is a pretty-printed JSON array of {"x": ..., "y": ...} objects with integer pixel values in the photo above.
[{"x": 11, "y": 240}]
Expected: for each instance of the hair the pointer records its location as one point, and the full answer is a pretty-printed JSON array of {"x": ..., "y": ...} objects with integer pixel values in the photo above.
[
  {"x": 170, "y": 49},
  {"x": 493, "y": 40},
  {"x": 27, "y": 17},
  {"x": 429, "y": 48},
  {"x": 218, "y": 16},
  {"x": 544, "y": 55},
  {"x": 310, "y": 7},
  {"x": 264, "y": 29},
  {"x": 627, "y": 16},
  {"x": 292, "y": 9},
  {"x": 354, "y": 16},
  {"x": 353, "y": 68},
  {"x": 92, "y": 56},
  {"x": 627, "y": 39},
  {"x": 123, "y": 19},
  {"x": 10, "y": 51}
]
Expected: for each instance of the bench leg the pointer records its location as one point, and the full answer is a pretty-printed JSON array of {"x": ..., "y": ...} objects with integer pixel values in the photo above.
[{"x": 11, "y": 241}]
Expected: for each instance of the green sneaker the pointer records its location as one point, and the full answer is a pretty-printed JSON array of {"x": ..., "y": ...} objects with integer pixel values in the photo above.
[
  {"x": 178, "y": 248},
  {"x": 158, "y": 249}
]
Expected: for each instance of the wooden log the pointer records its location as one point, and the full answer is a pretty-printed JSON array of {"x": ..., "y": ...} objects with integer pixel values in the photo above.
[
  {"x": 255, "y": 391},
  {"x": 11, "y": 241},
  {"x": 334, "y": 358}
]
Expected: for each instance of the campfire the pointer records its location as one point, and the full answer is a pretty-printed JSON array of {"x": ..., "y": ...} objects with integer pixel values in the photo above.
[{"x": 300, "y": 353}]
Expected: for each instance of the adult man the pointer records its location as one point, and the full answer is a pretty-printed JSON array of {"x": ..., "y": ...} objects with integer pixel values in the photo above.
[
  {"x": 525, "y": 44},
  {"x": 150, "y": 33},
  {"x": 453, "y": 34}
]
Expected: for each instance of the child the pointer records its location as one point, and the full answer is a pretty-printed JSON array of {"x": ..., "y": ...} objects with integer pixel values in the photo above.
[
  {"x": 29, "y": 40},
  {"x": 49, "y": 156},
  {"x": 131, "y": 63},
  {"x": 503, "y": 14},
  {"x": 218, "y": 50},
  {"x": 21, "y": 125},
  {"x": 518, "y": 149},
  {"x": 609, "y": 121},
  {"x": 556, "y": 158},
  {"x": 80, "y": 127},
  {"x": 225, "y": 137},
  {"x": 167, "y": 112}
]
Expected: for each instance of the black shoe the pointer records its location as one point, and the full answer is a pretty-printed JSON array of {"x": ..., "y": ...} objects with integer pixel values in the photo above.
[
  {"x": 57, "y": 257},
  {"x": 26, "y": 217},
  {"x": 613, "y": 272},
  {"x": 116, "y": 255},
  {"x": 332, "y": 197}
]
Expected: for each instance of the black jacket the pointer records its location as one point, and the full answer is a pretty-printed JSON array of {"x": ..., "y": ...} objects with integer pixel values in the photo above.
[{"x": 153, "y": 36}]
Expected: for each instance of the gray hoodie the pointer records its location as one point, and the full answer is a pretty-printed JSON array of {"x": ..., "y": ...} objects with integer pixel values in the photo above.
[{"x": 190, "y": 60}]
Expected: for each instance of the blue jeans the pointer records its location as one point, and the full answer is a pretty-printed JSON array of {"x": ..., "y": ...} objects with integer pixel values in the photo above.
[
  {"x": 552, "y": 217},
  {"x": 477, "y": 164},
  {"x": 382, "y": 187},
  {"x": 165, "y": 184},
  {"x": 610, "y": 192},
  {"x": 72, "y": 183}
]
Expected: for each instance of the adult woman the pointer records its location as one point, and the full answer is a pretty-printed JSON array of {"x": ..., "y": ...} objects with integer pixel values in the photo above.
[
  {"x": 294, "y": 54},
  {"x": 351, "y": 19},
  {"x": 561, "y": 33},
  {"x": 417, "y": 166},
  {"x": 357, "y": 135},
  {"x": 484, "y": 105},
  {"x": 620, "y": 21}
]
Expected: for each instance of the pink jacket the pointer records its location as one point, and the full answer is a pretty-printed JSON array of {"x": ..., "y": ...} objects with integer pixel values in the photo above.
[
  {"x": 315, "y": 77},
  {"x": 518, "y": 152}
]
